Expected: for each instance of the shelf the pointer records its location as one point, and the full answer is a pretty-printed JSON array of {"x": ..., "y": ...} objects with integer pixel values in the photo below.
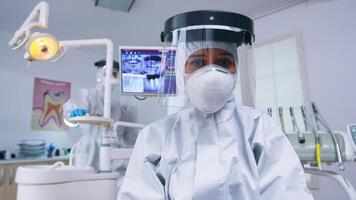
[{"x": 31, "y": 160}]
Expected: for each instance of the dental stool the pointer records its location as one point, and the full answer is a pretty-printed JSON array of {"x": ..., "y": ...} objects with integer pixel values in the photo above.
[{"x": 61, "y": 182}]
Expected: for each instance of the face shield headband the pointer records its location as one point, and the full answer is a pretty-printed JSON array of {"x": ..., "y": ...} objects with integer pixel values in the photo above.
[{"x": 242, "y": 31}]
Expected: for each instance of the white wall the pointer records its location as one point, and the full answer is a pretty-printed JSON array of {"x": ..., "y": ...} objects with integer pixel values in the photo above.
[
  {"x": 16, "y": 107},
  {"x": 16, "y": 93},
  {"x": 328, "y": 29}
]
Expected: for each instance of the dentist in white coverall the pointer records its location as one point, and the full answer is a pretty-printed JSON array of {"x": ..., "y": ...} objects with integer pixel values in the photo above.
[{"x": 213, "y": 149}]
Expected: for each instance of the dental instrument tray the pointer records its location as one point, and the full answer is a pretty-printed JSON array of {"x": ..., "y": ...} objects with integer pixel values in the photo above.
[{"x": 93, "y": 120}]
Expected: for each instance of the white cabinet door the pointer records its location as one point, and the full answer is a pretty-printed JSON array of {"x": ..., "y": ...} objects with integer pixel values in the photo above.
[
  {"x": 11, "y": 188},
  {"x": 2, "y": 181}
]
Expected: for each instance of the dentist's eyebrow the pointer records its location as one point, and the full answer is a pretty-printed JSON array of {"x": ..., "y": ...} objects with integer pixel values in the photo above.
[
  {"x": 225, "y": 54},
  {"x": 197, "y": 56}
]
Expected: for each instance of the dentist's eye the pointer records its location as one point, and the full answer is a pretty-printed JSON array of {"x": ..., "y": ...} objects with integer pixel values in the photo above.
[
  {"x": 225, "y": 62},
  {"x": 197, "y": 63},
  {"x": 194, "y": 64}
]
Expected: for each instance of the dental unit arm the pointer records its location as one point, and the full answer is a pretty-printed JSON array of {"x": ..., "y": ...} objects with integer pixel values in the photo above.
[
  {"x": 23, "y": 36},
  {"x": 106, "y": 152}
]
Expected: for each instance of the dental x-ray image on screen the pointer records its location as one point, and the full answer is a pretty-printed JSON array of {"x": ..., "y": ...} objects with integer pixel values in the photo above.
[{"x": 142, "y": 72}]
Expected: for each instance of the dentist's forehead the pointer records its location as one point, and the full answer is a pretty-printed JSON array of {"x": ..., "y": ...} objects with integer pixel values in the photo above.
[{"x": 211, "y": 51}]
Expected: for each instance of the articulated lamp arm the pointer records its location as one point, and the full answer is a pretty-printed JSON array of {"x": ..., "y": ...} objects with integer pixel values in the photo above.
[
  {"x": 109, "y": 66},
  {"x": 37, "y": 18}
]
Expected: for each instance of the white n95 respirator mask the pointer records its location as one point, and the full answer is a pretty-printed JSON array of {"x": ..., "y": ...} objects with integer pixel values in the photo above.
[{"x": 210, "y": 88}]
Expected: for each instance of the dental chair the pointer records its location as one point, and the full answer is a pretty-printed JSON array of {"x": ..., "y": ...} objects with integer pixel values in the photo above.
[{"x": 59, "y": 181}]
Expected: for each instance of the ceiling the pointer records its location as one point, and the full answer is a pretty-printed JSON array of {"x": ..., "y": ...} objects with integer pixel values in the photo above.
[{"x": 79, "y": 19}]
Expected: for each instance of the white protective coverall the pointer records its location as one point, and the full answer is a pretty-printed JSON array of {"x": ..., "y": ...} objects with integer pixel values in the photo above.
[{"x": 234, "y": 153}]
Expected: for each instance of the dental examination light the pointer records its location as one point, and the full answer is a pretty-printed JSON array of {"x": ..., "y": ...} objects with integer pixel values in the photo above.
[
  {"x": 39, "y": 46},
  {"x": 45, "y": 47},
  {"x": 42, "y": 47}
]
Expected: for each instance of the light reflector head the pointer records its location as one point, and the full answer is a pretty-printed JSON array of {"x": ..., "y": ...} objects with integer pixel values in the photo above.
[{"x": 42, "y": 47}]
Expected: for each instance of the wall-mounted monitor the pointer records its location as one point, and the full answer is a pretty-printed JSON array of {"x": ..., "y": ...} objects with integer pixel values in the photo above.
[{"x": 147, "y": 70}]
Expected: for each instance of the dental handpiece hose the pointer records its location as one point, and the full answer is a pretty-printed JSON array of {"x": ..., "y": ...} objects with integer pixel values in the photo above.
[
  {"x": 301, "y": 138},
  {"x": 317, "y": 149},
  {"x": 302, "y": 108},
  {"x": 317, "y": 141},
  {"x": 280, "y": 111},
  {"x": 320, "y": 119},
  {"x": 269, "y": 111}
]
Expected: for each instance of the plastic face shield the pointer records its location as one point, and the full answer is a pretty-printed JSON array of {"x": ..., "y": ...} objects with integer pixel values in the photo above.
[{"x": 213, "y": 39}]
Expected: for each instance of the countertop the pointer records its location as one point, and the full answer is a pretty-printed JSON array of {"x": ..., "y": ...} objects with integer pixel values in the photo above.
[{"x": 30, "y": 160}]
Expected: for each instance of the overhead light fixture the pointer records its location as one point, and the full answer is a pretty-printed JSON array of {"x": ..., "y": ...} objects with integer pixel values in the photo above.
[{"x": 39, "y": 46}]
